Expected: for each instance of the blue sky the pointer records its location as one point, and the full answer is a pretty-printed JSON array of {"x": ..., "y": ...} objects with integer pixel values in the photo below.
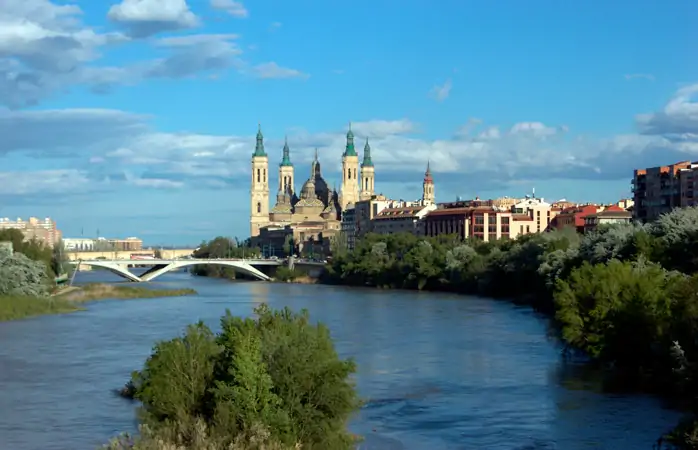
[{"x": 137, "y": 118}]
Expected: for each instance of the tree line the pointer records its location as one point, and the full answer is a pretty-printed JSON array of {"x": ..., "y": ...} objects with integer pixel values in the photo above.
[{"x": 625, "y": 296}]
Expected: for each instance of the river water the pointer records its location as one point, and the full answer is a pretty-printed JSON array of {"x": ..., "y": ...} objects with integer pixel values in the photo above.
[{"x": 439, "y": 371}]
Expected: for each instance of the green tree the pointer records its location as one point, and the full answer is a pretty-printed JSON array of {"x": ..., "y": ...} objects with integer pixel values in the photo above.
[{"x": 276, "y": 376}]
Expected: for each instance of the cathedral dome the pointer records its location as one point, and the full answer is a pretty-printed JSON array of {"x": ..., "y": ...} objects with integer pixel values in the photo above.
[{"x": 308, "y": 190}]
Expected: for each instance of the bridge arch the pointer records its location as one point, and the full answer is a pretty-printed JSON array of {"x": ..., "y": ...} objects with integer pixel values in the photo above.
[{"x": 161, "y": 267}]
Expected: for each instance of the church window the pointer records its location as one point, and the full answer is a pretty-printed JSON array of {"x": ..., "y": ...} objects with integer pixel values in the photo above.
[
  {"x": 265, "y": 175},
  {"x": 348, "y": 174},
  {"x": 259, "y": 207},
  {"x": 354, "y": 173},
  {"x": 259, "y": 172}
]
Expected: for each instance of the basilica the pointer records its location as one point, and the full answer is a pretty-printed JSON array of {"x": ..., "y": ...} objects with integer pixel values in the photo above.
[{"x": 315, "y": 207}]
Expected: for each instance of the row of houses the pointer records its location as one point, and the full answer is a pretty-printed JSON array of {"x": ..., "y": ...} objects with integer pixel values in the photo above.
[{"x": 485, "y": 220}]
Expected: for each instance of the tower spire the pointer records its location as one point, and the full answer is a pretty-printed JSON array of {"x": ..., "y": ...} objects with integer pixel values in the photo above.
[
  {"x": 367, "y": 162},
  {"x": 350, "y": 150},
  {"x": 427, "y": 174},
  {"x": 286, "y": 160},
  {"x": 259, "y": 148}
]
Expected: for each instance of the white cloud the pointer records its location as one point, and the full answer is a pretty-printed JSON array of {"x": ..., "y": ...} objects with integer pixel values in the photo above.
[
  {"x": 383, "y": 128},
  {"x": 641, "y": 76},
  {"x": 679, "y": 116},
  {"x": 441, "y": 92},
  {"x": 536, "y": 128},
  {"x": 232, "y": 7},
  {"x": 43, "y": 182},
  {"x": 124, "y": 150},
  {"x": 273, "y": 70},
  {"x": 194, "y": 54},
  {"x": 143, "y": 18},
  {"x": 44, "y": 46}
]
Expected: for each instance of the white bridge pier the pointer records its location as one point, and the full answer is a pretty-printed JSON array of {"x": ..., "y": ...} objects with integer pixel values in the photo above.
[{"x": 162, "y": 266}]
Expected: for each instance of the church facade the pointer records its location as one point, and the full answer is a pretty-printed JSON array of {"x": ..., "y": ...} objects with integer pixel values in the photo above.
[{"x": 315, "y": 205}]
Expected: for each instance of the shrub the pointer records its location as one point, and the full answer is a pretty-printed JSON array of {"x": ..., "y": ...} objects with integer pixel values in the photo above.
[
  {"x": 275, "y": 380},
  {"x": 21, "y": 276}
]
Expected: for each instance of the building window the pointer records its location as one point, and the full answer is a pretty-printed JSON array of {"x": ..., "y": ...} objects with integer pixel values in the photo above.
[
  {"x": 259, "y": 207},
  {"x": 259, "y": 173},
  {"x": 265, "y": 175}
]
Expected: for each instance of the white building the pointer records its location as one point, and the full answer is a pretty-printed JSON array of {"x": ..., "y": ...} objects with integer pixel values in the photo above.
[
  {"x": 538, "y": 210},
  {"x": 404, "y": 219},
  {"x": 78, "y": 244}
]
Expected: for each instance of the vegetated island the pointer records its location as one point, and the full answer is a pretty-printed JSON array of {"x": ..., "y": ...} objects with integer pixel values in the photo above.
[{"x": 273, "y": 382}]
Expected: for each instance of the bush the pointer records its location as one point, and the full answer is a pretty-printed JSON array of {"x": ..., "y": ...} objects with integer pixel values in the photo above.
[
  {"x": 283, "y": 273},
  {"x": 273, "y": 381},
  {"x": 21, "y": 276}
]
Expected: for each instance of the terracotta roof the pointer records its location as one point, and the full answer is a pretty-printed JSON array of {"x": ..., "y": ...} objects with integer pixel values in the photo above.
[
  {"x": 614, "y": 213},
  {"x": 392, "y": 213},
  {"x": 614, "y": 208}
]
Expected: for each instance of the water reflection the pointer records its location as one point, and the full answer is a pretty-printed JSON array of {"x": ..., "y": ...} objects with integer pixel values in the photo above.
[{"x": 438, "y": 371}]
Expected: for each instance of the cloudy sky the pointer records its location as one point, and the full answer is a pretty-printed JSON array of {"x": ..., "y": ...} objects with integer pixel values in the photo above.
[{"x": 137, "y": 118}]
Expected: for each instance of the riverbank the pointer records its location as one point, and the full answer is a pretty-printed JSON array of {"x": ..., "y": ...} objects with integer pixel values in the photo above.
[
  {"x": 101, "y": 291},
  {"x": 14, "y": 307}
]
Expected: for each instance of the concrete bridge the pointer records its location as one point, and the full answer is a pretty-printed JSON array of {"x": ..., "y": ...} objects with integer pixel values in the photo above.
[
  {"x": 126, "y": 254},
  {"x": 162, "y": 266}
]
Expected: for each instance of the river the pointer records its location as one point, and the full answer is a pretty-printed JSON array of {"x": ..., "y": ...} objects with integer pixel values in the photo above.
[{"x": 439, "y": 371}]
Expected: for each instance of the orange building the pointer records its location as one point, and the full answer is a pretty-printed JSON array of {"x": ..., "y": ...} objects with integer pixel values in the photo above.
[
  {"x": 658, "y": 190},
  {"x": 483, "y": 223},
  {"x": 573, "y": 217}
]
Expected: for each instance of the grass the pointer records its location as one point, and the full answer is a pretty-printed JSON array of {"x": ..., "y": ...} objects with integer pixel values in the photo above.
[
  {"x": 100, "y": 291},
  {"x": 69, "y": 300},
  {"x": 13, "y": 307}
]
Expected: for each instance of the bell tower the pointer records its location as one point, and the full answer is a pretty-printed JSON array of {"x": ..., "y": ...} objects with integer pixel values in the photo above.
[
  {"x": 259, "y": 187},
  {"x": 367, "y": 174},
  {"x": 349, "y": 191},
  {"x": 286, "y": 181},
  {"x": 428, "y": 197}
]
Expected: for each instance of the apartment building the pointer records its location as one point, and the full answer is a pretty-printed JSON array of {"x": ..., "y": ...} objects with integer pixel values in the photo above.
[
  {"x": 348, "y": 227},
  {"x": 42, "y": 230},
  {"x": 540, "y": 211},
  {"x": 402, "y": 219},
  {"x": 366, "y": 210},
  {"x": 485, "y": 223},
  {"x": 125, "y": 245},
  {"x": 658, "y": 190}
]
